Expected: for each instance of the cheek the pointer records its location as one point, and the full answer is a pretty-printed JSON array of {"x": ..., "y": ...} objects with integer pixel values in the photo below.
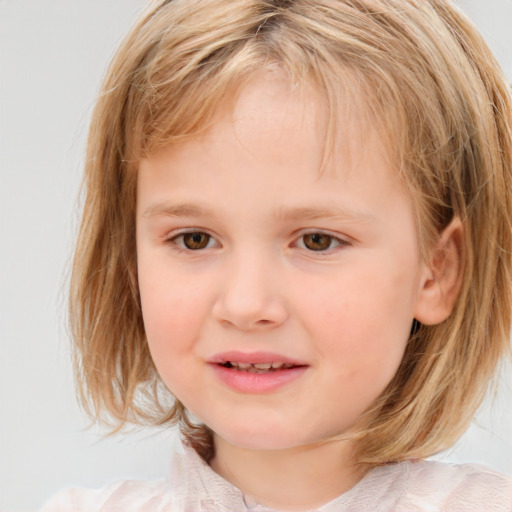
[
  {"x": 363, "y": 320},
  {"x": 171, "y": 306},
  {"x": 171, "y": 323}
]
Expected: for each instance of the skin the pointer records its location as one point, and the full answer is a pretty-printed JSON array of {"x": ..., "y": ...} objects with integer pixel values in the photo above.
[{"x": 345, "y": 310}]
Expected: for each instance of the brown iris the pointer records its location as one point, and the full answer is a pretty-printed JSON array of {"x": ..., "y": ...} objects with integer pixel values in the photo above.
[
  {"x": 317, "y": 241},
  {"x": 196, "y": 240}
]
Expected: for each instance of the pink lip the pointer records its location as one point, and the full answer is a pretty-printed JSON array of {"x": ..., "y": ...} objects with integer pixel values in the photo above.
[{"x": 245, "y": 382}]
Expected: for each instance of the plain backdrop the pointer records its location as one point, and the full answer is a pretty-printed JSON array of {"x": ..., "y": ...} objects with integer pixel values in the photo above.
[{"x": 52, "y": 56}]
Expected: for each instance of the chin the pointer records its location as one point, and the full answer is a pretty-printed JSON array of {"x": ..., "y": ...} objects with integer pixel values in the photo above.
[
  {"x": 263, "y": 443},
  {"x": 263, "y": 437}
]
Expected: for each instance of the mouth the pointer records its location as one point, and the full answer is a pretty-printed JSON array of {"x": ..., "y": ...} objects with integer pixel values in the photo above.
[
  {"x": 268, "y": 367},
  {"x": 257, "y": 372}
]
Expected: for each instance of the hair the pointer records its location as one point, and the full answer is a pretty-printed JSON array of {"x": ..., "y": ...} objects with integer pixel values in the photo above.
[{"x": 417, "y": 68}]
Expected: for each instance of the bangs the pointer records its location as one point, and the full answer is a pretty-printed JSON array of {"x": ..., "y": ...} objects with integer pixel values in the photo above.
[{"x": 184, "y": 79}]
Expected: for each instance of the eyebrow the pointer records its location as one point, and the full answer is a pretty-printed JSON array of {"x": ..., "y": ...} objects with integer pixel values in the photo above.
[
  {"x": 282, "y": 214},
  {"x": 336, "y": 212},
  {"x": 177, "y": 210}
]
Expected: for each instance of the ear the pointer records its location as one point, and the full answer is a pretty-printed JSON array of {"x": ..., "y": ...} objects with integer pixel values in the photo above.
[{"x": 442, "y": 277}]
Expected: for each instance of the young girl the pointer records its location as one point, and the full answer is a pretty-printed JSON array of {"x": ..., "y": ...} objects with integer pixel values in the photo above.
[{"x": 297, "y": 244}]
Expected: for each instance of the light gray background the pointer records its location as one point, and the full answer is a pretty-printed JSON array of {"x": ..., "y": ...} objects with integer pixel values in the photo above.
[{"x": 52, "y": 56}]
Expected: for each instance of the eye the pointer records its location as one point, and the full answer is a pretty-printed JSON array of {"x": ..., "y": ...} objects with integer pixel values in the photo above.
[
  {"x": 193, "y": 241},
  {"x": 319, "y": 242}
]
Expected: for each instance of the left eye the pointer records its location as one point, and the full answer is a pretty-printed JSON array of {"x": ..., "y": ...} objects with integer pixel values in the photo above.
[
  {"x": 193, "y": 241},
  {"x": 319, "y": 242}
]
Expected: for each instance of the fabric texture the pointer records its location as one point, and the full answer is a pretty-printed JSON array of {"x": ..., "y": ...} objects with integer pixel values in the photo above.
[{"x": 192, "y": 486}]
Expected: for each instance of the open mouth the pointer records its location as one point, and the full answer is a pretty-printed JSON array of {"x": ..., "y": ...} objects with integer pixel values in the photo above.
[
  {"x": 257, "y": 367},
  {"x": 256, "y": 372}
]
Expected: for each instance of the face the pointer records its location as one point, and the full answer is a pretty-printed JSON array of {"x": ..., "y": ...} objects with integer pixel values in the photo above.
[{"x": 277, "y": 299}]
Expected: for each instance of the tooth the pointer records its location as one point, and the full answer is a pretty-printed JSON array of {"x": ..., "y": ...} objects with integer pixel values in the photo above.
[
  {"x": 243, "y": 366},
  {"x": 251, "y": 369},
  {"x": 277, "y": 365},
  {"x": 263, "y": 366},
  {"x": 287, "y": 365}
]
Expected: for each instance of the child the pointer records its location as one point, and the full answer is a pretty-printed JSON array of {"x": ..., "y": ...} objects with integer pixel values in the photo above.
[{"x": 298, "y": 222}]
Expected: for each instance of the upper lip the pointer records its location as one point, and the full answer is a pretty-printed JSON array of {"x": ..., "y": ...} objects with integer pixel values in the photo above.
[{"x": 254, "y": 358}]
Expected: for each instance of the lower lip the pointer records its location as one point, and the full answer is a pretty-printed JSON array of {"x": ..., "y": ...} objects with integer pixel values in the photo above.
[{"x": 245, "y": 382}]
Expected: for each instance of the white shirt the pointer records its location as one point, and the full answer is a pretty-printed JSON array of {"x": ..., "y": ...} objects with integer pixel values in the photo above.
[{"x": 192, "y": 486}]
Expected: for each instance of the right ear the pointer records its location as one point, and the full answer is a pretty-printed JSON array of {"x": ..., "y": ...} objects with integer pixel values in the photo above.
[{"x": 442, "y": 278}]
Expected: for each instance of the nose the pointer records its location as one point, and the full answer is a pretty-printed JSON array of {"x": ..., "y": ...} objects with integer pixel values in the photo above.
[{"x": 250, "y": 297}]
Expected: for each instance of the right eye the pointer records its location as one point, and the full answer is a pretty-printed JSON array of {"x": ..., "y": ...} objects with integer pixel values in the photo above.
[
  {"x": 320, "y": 242},
  {"x": 193, "y": 241}
]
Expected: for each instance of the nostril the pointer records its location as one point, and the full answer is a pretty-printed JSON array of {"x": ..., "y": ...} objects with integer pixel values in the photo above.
[{"x": 249, "y": 312}]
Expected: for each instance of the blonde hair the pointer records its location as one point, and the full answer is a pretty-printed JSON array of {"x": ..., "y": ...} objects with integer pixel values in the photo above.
[{"x": 421, "y": 71}]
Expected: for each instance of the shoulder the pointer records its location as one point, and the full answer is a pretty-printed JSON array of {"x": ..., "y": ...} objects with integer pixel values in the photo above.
[
  {"x": 190, "y": 484},
  {"x": 432, "y": 485},
  {"x": 122, "y": 496}
]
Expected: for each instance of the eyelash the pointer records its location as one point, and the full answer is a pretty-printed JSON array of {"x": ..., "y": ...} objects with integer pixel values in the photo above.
[
  {"x": 330, "y": 238},
  {"x": 178, "y": 241}
]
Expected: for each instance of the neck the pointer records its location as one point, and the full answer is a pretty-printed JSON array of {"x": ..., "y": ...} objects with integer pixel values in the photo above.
[{"x": 298, "y": 478}]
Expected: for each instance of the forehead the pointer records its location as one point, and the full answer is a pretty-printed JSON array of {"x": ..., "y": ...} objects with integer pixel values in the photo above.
[
  {"x": 268, "y": 145},
  {"x": 269, "y": 107},
  {"x": 268, "y": 110}
]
